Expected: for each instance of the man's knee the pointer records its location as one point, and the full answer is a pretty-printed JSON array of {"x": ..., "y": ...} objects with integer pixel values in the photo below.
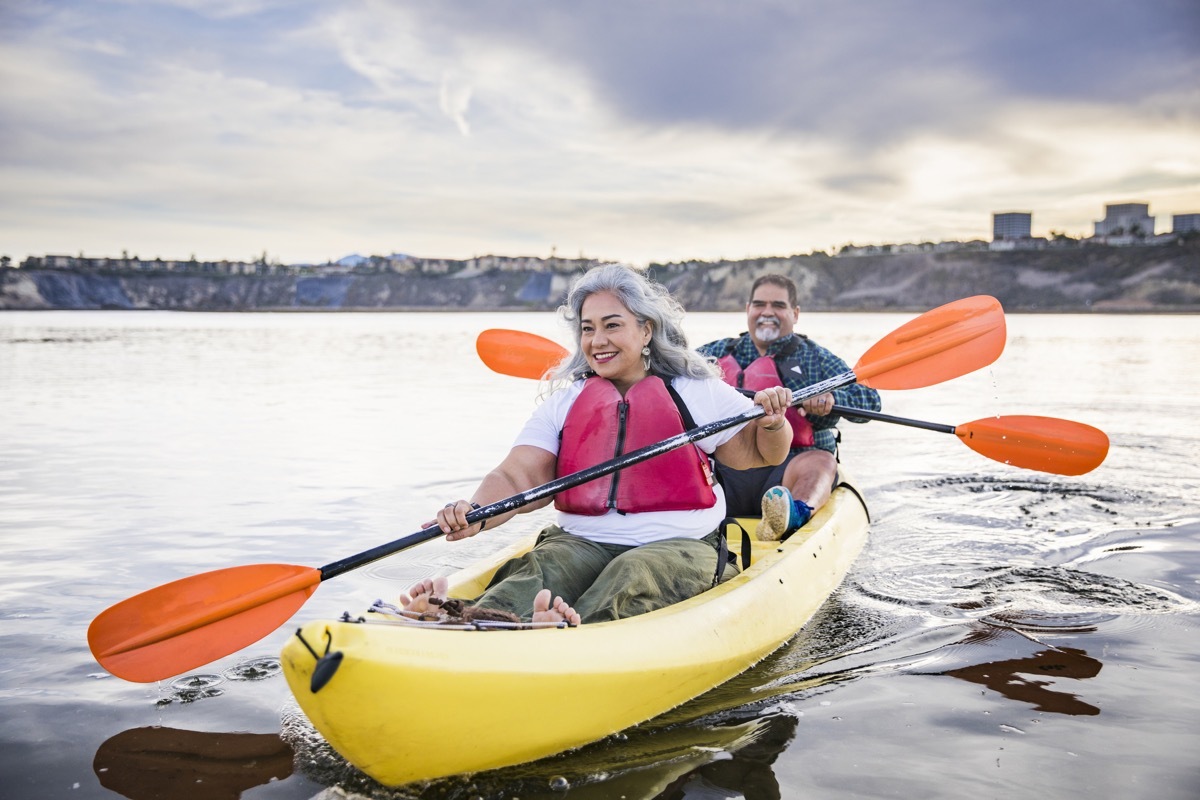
[
  {"x": 816, "y": 460},
  {"x": 812, "y": 474}
]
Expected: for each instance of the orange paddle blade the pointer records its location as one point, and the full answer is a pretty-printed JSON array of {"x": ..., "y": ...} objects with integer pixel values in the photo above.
[
  {"x": 516, "y": 353},
  {"x": 1042, "y": 443},
  {"x": 189, "y": 622},
  {"x": 941, "y": 344}
]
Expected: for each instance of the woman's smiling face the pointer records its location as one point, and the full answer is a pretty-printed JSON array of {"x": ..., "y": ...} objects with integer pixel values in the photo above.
[{"x": 612, "y": 340}]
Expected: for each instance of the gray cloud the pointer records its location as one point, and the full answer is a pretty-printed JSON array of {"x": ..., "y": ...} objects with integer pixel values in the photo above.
[
  {"x": 638, "y": 130},
  {"x": 866, "y": 70}
]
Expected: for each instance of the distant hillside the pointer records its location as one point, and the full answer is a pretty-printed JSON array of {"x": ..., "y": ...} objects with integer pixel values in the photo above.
[
  {"x": 1092, "y": 278},
  {"x": 1163, "y": 278}
]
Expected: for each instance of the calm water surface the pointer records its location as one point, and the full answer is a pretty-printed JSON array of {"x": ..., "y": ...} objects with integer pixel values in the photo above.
[{"x": 1005, "y": 634}]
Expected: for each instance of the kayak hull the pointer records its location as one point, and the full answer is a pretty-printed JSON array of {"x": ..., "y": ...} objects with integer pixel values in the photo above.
[{"x": 410, "y": 703}]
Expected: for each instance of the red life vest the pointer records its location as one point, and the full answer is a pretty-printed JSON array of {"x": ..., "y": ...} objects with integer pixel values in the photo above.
[
  {"x": 601, "y": 425},
  {"x": 763, "y": 373}
]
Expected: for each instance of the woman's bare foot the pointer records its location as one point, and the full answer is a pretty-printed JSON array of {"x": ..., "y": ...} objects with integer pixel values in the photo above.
[
  {"x": 417, "y": 598},
  {"x": 558, "y": 611}
]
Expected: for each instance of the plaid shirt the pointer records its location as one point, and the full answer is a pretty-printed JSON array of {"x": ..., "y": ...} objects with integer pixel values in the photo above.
[{"x": 816, "y": 364}]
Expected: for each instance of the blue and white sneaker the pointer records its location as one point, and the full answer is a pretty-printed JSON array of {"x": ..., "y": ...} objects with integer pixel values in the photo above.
[{"x": 781, "y": 515}]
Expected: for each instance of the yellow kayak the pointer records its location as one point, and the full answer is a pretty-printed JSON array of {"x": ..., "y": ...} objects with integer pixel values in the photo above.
[{"x": 408, "y": 702}]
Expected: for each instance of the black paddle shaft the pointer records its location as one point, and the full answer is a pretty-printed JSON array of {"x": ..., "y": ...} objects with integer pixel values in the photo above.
[
  {"x": 847, "y": 411},
  {"x": 577, "y": 478}
]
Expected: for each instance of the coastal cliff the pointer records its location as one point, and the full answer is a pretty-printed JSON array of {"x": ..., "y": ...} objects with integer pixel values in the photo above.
[{"x": 1093, "y": 278}]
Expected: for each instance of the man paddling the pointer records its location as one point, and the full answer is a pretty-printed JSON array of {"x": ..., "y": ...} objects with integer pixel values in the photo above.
[{"x": 771, "y": 353}]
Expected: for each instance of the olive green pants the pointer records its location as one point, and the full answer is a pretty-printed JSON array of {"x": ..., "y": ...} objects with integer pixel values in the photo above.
[{"x": 604, "y": 581}]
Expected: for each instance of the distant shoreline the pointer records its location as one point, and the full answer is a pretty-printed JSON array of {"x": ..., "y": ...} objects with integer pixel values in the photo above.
[
  {"x": 1179, "y": 312},
  {"x": 1084, "y": 280}
]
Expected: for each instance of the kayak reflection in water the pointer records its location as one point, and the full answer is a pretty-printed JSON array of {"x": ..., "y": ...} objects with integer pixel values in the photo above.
[
  {"x": 744, "y": 771},
  {"x": 648, "y": 535}
]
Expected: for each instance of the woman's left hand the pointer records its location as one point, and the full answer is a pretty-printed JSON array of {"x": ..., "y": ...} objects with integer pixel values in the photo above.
[{"x": 775, "y": 402}]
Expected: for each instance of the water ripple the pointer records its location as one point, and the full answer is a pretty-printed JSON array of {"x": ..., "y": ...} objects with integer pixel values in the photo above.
[{"x": 1059, "y": 590}]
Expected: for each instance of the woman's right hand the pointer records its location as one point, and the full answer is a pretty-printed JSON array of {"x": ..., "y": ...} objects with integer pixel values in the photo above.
[
  {"x": 452, "y": 519},
  {"x": 524, "y": 467}
]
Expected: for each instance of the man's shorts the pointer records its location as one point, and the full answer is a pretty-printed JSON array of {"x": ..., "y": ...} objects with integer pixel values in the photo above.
[{"x": 744, "y": 488}]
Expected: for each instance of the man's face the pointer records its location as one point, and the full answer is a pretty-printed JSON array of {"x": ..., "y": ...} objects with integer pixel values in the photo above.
[{"x": 768, "y": 314}]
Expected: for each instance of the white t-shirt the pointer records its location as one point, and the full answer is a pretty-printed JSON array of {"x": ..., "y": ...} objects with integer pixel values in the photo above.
[{"x": 708, "y": 400}]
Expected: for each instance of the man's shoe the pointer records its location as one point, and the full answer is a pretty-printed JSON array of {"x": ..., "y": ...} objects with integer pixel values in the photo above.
[{"x": 781, "y": 515}]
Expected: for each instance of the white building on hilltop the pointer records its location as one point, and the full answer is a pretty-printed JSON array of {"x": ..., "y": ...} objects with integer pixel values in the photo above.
[
  {"x": 1126, "y": 219},
  {"x": 1012, "y": 225},
  {"x": 1183, "y": 223}
]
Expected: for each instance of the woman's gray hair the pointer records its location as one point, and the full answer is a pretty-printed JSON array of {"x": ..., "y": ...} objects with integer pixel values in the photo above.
[{"x": 649, "y": 302}]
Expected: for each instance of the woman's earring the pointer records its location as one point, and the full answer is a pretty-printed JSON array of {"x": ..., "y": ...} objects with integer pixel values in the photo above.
[{"x": 646, "y": 357}]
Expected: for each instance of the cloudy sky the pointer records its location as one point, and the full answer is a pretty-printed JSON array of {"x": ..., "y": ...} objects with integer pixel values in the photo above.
[{"x": 634, "y": 130}]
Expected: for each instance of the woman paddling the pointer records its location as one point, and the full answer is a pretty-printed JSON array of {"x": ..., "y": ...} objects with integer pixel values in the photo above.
[{"x": 646, "y": 536}]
